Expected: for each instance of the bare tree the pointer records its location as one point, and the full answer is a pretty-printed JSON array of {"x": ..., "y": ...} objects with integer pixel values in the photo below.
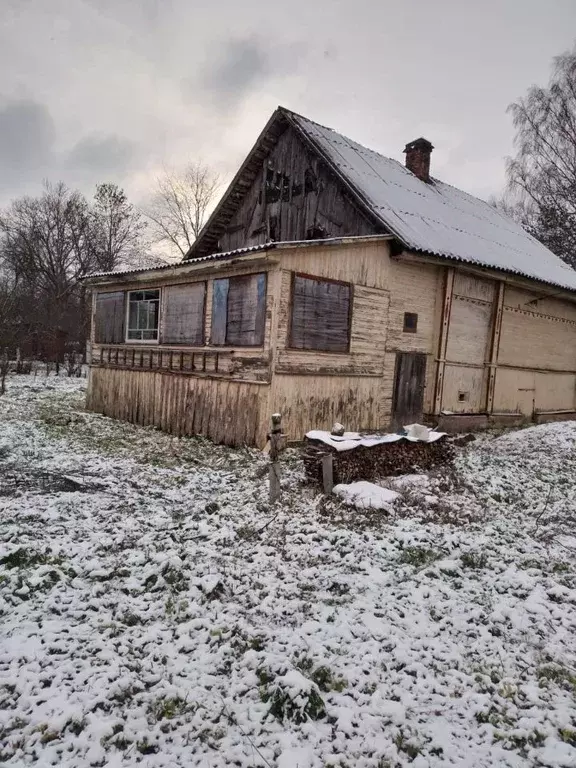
[
  {"x": 45, "y": 247},
  {"x": 178, "y": 208},
  {"x": 117, "y": 230},
  {"x": 4, "y": 368},
  {"x": 9, "y": 305},
  {"x": 543, "y": 171}
]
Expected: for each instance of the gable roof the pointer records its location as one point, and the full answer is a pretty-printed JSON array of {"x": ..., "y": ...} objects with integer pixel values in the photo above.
[{"x": 434, "y": 218}]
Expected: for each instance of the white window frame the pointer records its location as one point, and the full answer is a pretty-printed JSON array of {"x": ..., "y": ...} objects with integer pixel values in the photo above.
[{"x": 143, "y": 341}]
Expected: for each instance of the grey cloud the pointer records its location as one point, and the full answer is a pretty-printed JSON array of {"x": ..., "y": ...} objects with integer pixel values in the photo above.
[
  {"x": 28, "y": 153},
  {"x": 101, "y": 155},
  {"x": 243, "y": 65},
  {"x": 27, "y": 136}
]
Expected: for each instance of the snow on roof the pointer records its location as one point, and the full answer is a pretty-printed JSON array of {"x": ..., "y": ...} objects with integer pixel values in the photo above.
[{"x": 435, "y": 217}]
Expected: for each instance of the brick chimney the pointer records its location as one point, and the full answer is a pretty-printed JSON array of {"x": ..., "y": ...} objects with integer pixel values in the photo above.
[{"x": 418, "y": 158}]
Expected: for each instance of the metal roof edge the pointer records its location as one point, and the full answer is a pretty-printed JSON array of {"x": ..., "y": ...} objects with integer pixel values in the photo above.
[
  {"x": 241, "y": 252},
  {"x": 475, "y": 262}
]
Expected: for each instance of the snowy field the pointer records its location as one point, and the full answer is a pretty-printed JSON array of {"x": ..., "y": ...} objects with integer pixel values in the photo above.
[{"x": 154, "y": 610}]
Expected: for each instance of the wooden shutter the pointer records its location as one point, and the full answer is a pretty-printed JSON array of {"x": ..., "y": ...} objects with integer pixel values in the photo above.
[
  {"x": 320, "y": 315},
  {"x": 239, "y": 311},
  {"x": 109, "y": 321},
  {"x": 183, "y": 314},
  {"x": 246, "y": 311}
]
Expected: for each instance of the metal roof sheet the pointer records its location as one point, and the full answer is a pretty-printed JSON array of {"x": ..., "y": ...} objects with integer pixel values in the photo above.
[
  {"x": 436, "y": 217},
  {"x": 186, "y": 262}
]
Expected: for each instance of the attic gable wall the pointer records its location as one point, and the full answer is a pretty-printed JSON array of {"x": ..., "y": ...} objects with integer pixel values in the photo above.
[{"x": 293, "y": 197}]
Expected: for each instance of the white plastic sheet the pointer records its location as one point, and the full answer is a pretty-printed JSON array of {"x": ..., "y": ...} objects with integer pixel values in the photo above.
[{"x": 350, "y": 440}]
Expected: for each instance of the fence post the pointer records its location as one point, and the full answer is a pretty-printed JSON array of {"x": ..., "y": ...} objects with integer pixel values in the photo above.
[
  {"x": 328, "y": 472},
  {"x": 276, "y": 440}
]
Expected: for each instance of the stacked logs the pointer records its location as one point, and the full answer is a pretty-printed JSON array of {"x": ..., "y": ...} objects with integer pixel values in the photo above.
[{"x": 362, "y": 463}]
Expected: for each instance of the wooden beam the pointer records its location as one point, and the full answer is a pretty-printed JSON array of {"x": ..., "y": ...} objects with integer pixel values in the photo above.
[
  {"x": 443, "y": 343},
  {"x": 494, "y": 347}
]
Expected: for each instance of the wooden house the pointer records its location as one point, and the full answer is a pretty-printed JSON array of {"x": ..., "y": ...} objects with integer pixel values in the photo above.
[{"x": 334, "y": 284}]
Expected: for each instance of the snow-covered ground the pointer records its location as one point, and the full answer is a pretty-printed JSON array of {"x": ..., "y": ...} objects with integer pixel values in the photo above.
[{"x": 155, "y": 610}]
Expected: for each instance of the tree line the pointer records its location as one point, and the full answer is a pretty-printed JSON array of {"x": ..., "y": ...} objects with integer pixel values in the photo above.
[{"x": 48, "y": 243}]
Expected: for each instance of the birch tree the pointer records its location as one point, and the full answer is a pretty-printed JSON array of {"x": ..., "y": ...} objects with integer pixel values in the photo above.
[{"x": 542, "y": 174}]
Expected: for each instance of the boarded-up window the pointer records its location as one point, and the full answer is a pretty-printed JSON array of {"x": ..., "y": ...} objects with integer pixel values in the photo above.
[
  {"x": 109, "y": 320},
  {"x": 183, "y": 314},
  {"x": 320, "y": 315},
  {"x": 143, "y": 311},
  {"x": 239, "y": 311}
]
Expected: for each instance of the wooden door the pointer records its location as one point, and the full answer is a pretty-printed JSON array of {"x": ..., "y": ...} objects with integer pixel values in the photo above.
[{"x": 409, "y": 381}]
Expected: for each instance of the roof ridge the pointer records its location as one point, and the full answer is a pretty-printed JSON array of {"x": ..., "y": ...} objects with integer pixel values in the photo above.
[{"x": 280, "y": 108}]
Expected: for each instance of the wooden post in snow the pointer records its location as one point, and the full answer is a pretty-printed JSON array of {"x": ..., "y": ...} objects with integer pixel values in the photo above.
[
  {"x": 276, "y": 445},
  {"x": 328, "y": 472}
]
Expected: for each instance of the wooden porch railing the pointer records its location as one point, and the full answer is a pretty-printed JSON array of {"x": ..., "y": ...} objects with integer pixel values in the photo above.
[{"x": 191, "y": 361}]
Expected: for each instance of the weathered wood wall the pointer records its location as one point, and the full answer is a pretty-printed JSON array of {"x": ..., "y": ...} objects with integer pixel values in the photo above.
[
  {"x": 294, "y": 197},
  {"x": 537, "y": 354},
  {"x": 229, "y": 412},
  {"x": 465, "y": 387},
  {"x": 355, "y": 388},
  {"x": 490, "y": 346},
  {"x": 509, "y": 349}
]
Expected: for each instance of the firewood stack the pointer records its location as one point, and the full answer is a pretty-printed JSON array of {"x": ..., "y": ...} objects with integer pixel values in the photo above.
[{"x": 362, "y": 463}]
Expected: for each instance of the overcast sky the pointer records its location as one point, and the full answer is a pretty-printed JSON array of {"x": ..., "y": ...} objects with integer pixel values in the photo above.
[{"x": 109, "y": 90}]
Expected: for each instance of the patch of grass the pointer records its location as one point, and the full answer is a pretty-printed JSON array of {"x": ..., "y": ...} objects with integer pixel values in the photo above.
[
  {"x": 168, "y": 707},
  {"x": 474, "y": 560},
  {"x": 418, "y": 556},
  {"x": 131, "y": 619},
  {"x": 283, "y": 707},
  {"x": 323, "y": 676},
  {"x": 520, "y": 742},
  {"x": 256, "y": 643},
  {"x": 175, "y": 578},
  {"x": 146, "y": 748},
  {"x": 75, "y": 726},
  {"x": 568, "y": 736},
  {"x": 211, "y": 736},
  {"x": 559, "y": 674},
  {"x": 405, "y": 745},
  {"x": 560, "y": 567},
  {"x": 23, "y": 558}
]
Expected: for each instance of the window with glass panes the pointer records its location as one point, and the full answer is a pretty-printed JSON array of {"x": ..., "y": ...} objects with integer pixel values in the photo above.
[{"x": 143, "y": 310}]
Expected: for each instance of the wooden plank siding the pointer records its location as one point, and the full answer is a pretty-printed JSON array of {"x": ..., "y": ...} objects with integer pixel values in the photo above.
[
  {"x": 229, "y": 412},
  {"x": 508, "y": 349},
  {"x": 536, "y": 370}
]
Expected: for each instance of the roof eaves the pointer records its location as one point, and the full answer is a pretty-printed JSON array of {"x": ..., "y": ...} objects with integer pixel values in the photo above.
[
  {"x": 218, "y": 210},
  {"x": 451, "y": 257},
  {"x": 186, "y": 263}
]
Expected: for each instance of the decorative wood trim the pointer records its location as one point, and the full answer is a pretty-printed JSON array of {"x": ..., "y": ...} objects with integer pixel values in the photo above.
[
  {"x": 494, "y": 347},
  {"x": 443, "y": 341}
]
